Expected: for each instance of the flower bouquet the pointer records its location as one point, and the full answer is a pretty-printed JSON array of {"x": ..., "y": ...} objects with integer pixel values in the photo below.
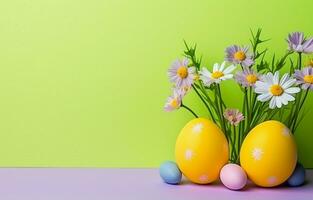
[{"x": 272, "y": 109}]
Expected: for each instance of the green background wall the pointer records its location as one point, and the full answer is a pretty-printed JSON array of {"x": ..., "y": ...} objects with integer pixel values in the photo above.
[{"x": 82, "y": 83}]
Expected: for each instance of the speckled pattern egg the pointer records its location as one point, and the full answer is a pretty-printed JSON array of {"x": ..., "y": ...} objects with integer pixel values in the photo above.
[
  {"x": 170, "y": 173},
  {"x": 201, "y": 151},
  {"x": 269, "y": 154},
  {"x": 233, "y": 177}
]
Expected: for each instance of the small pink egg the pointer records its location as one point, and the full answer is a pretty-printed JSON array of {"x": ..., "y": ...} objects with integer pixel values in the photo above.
[{"x": 233, "y": 177}]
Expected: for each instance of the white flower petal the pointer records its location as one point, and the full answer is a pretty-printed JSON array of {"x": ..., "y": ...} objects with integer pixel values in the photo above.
[
  {"x": 284, "y": 79},
  {"x": 261, "y": 87},
  {"x": 284, "y": 101},
  {"x": 292, "y": 90},
  {"x": 288, "y": 97},
  {"x": 264, "y": 97},
  {"x": 268, "y": 78},
  {"x": 217, "y": 80},
  {"x": 259, "y": 83},
  {"x": 262, "y": 84},
  {"x": 229, "y": 69},
  {"x": 222, "y": 66},
  {"x": 215, "y": 67},
  {"x": 227, "y": 76},
  {"x": 289, "y": 83},
  {"x": 205, "y": 72},
  {"x": 273, "y": 103},
  {"x": 278, "y": 101},
  {"x": 276, "y": 78}
]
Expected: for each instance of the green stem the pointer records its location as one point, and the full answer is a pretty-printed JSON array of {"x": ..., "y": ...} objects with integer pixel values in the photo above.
[
  {"x": 254, "y": 101},
  {"x": 242, "y": 124},
  {"x": 189, "y": 109},
  {"x": 247, "y": 113},
  {"x": 220, "y": 94},
  {"x": 273, "y": 113},
  {"x": 207, "y": 97},
  {"x": 220, "y": 106},
  {"x": 296, "y": 107},
  {"x": 304, "y": 98},
  {"x": 257, "y": 117},
  {"x": 293, "y": 127},
  {"x": 300, "y": 60},
  {"x": 206, "y": 105},
  {"x": 236, "y": 148},
  {"x": 294, "y": 110},
  {"x": 239, "y": 144},
  {"x": 232, "y": 146}
]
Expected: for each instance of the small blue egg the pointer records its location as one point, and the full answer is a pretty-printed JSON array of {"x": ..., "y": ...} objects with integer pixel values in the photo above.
[
  {"x": 170, "y": 173},
  {"x": 298, "y": 176}
]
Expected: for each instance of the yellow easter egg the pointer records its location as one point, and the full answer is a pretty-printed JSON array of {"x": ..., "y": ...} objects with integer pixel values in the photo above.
[
  {"x": 269, "y": 154},
  {"x": 201, "y": 151}
]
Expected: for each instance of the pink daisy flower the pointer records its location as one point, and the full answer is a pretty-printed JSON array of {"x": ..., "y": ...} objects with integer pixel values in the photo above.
[
  {"x": 298, "y": 43},
  {"x": 247, "y": 77},
  {"x": 234, "y": 116},
  {"x": 174, "y": 101},
  {"x": 180, "y": 74},
  {"x": 304, "y": 78},
  {"x": 239, "y": 55}
]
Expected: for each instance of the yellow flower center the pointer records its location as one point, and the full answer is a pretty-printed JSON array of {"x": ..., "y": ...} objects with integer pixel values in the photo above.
[
  {"x": 310, "y": 63},
  {"x": 308, "y": 79},
  {"x": 276, "y": 90},
  {"x": 196, "y": 77},
  {"x": 182, "y": 72},
  {"x": 240, "y": 55},
  {"x": 251, "y": 78},
  {"x": 231, "y": 118},
  {"x": 217, "y": 74},
  {"x": 174, "y": 103}
]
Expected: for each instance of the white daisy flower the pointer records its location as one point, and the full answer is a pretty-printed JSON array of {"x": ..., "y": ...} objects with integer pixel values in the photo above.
[
  {"x": 180, "y": 74},
  {"x": 220, "y": 73},
  {"x": 278, "y": 92}
]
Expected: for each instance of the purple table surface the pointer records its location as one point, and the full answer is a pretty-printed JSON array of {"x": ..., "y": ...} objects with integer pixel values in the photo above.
[{"x": 134, "y": 184}]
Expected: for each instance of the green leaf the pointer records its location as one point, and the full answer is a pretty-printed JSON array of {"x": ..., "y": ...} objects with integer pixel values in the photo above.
[{"x": 273, "y": 64}]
